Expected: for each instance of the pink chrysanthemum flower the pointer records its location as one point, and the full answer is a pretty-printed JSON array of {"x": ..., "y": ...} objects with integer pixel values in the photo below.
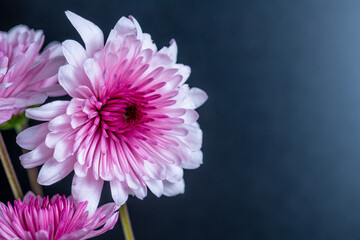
[
  {"x": 38, "y": 218},
  {"x": 131, "y": 120},
  {"x": 26, "y": 77}
]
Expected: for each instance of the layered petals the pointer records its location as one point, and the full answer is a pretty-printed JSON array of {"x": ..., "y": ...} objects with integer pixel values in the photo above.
[
  {"x": 27, "y": 77},
  {"x": 131, "y": 120},
  {"x": 58, "y": 218}
]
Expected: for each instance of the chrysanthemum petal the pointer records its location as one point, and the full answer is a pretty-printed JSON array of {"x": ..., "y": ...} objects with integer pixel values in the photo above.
[
  {"x": 156, "y": 187},
  {"x": 195, "y": 98},
  {"x": 48, "y": 111},
  {"x": 87, "y": 189},
  {"x": 172, "y": 189},
  {"x": 70, "y": 79},
  {"x": 89, "y": 32},
  {"x": 74, "y": 53},
  {"x": 118, "y": 192},
  {"x": 195, "y": 160},
  {"x": 5, "y": 115},
  {"x": 53, "y": 171},
  {"x": 36, "y": 157},
  {"x": 32, "y": 137}
]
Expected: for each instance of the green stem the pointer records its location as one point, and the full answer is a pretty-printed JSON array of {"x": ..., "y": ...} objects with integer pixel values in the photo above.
[
  {"x": 9, "y": 170},
  {"x": 125, "y": 222}
]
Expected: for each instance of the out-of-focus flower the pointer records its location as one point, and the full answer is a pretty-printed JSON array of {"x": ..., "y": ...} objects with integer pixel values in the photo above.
[
  {"x": 26, "y": 77},
  {"x": 131, "y": 120},
  {"x": 37, "y": 218}
]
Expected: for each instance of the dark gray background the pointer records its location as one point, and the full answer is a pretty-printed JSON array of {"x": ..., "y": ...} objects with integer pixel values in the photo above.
[{"x": 281, "y": 126}]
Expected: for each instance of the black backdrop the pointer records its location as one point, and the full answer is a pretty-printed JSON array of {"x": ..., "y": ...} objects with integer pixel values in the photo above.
[{"x": 281, "y": 126}]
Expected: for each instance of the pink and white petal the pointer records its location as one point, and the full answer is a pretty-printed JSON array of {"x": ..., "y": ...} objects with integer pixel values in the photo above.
[
  {"x": 194, "y": 137},
  {"x": 147, "y": 43},
  {"x": 93, "y": 71},
  {"x": 155, "y": 186},
  {"x": 137, "y": 26},
  {"x": 174, "y": 173},
  {"x": 54, "y": 91},
  {"x": 74, "y": 53},
  {"x": 170, "y": 51},
  {"x": 28, "y": 195},
  {"x": 70, "y": 78},
  {"x": 34, "y": 99},
  {"x": 184, "y": 71},
  {"x": 36, "y": 157},
  {"x": 80, "y": 170},
  {"x": 119, "y": 192},
  {"x": 48, "y": 111},
  {"x": 125, "y": 27},
  {"x": 53, "y": 138},
  {"x": 190, "y": 116},
  {"x": 53, "y": 171},
  {"x": 61, "y": 123},
  {"x": 5, "y": 115},
  {"x": 74, "y": 106},
  {"x": 194, "y": 99},
  {"x": 63, "y": 149},
  {"x": 32, "y": 137},
  {"x": 42, "y": 234},
  {"x": 110, "y": 223},
  {"x": 90, "y": 33},
  {"x": 87, "y": 189},
  {"x": 195, "y": 160},
  {"x": 172, "y": 189},
  {"x": 141, "y": 192}
]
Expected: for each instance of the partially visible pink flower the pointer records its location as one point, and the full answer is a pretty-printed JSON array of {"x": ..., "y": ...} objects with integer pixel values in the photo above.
[
  {"x": 26, "y": 77},
  {"x": 131, "y": 120},
  {"x": 38, "y": 218}
]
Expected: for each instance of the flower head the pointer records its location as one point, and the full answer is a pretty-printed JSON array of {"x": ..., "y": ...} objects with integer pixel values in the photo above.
[
  {"x": 26, "y": 77},
  {"x": 58, "y": 218},
  {"x": 131, "y": 120}
]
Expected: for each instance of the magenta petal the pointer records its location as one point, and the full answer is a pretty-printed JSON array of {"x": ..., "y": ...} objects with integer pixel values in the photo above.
[{"x": 56, "y": 218}]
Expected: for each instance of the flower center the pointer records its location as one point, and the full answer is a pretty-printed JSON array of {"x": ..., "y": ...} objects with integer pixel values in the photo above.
[
  {"x": 121, "y": 113},
  {"x": 131, "y": 113}
]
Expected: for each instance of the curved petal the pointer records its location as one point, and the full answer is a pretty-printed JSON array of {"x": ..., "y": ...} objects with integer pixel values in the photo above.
[
  {"x": 195, "y": 98},
  {"x": 47, "y": 111},
  {"x": 118, "y": 192},
  {"x": 32, "y": 137},
  {"x": 5, "y": 115},
  {"x": 90, "y": 33},
  {"x": 74, "y": 53},
  {"x": 172, "y": 189},
  {"x": 156, "y": 187},
  {"x": 87, "y": 189},
  {"x": 36, "y": 157},
  {"x": 53, "y": 171},
  {"x": 70, "y": 78},
  {"x": 195, "y": 160}
]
